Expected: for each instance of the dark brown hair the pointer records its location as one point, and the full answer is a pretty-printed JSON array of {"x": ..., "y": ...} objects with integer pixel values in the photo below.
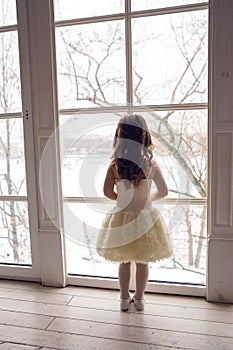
[{"x": 132, "y": 149}]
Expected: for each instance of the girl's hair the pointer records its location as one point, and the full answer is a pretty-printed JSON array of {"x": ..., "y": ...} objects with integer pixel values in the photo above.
[{"x": 132, "y": 149}]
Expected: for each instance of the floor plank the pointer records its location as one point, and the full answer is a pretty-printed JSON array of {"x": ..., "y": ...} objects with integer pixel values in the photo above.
[
  {"x": 35, "y": 296},
  {"x": 11, "y": 346},
  {"x": 24, "y": 319}
]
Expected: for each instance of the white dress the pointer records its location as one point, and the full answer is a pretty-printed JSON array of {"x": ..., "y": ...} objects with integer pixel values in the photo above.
[{"x": 134, "y": 230}]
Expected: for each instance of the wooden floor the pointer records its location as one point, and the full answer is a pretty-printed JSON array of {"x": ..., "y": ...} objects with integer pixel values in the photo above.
[{"x": 37, "y": 317}]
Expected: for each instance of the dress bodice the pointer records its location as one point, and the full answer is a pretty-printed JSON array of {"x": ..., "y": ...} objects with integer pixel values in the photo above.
[{"x": 130, "y": 198}]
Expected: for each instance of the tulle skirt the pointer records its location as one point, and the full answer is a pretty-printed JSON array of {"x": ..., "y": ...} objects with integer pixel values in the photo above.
[{"x": 134, "y": 236}]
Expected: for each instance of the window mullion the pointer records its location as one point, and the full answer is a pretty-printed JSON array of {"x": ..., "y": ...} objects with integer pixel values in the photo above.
[
  {"x": 143, "y": 108},
  {"x": 10, "y": 28},
  {"x": 13, "y": 198},
  {"x": 10, "y": 115},
  {"x": 170, "y": 10}
]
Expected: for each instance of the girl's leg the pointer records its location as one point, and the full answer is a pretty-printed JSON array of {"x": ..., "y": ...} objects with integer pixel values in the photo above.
[
  {"x": 142, "y": 273},
  {"x": 124, "y": 279}
]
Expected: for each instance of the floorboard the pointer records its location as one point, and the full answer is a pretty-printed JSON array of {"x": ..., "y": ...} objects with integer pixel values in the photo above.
[{"x": 12, "y": 346}]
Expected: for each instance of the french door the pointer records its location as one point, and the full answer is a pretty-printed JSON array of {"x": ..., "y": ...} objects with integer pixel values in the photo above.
[
  {"x": 147, "y": 57},
  {"x": 18, "y": 209}
]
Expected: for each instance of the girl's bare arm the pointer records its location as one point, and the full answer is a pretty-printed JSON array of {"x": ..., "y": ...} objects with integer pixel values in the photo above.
[
  {"x": 162, "y": 189},
  {"x": 109, "y": 185}
]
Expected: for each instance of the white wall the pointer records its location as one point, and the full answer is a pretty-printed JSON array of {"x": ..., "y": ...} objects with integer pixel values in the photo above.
[{"x": 220, "y": 209}]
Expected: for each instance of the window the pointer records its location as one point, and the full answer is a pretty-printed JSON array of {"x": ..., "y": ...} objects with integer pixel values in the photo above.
[
  {"x": 14, "y": 224},
  {"x": 143, "y": 58}
]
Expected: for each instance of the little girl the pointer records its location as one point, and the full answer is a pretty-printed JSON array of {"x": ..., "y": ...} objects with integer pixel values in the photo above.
[{"x": 134, "y": 231}]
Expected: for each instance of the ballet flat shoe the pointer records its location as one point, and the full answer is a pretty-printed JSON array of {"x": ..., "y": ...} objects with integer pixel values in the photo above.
[
  {"x": 139, "y": 304},
  {"x": 124, "y": 304}
]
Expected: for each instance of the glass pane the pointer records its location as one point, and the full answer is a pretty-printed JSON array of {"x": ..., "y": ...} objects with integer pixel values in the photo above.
[
  {"x": 7, "y": 12},
  {"x": 86, "y": 149},
  {"x": 180, "y": 140},
  {"x": 10, "y": 89},
  {"x": 77, "y": 8},
  {"x": 186, "y": 226},
  {"x": 91, "y": 65},
  {"x": 170, "y": 58},
  {"x": 12, "y": 160},
  {"x": 153, "y": 4},
  {"x": 14, "y": 233}
]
